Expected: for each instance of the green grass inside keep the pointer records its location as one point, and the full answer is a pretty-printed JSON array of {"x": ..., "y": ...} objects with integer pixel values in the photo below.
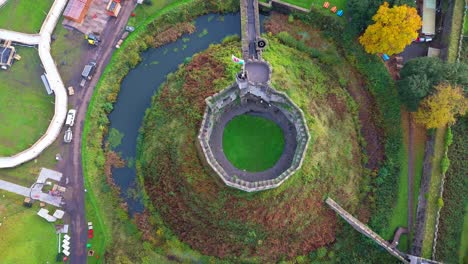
[
  {"x": 252, "y": 143},
  {"x": 24, "y": 16},
  {"x": 25, "y": 237},
  {"x": 25, "y": 107}
]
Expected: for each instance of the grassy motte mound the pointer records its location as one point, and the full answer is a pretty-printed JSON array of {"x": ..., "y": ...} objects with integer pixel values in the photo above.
[
  {"x": 252, "y": 143},
  {"x": 270, "y": 225}
]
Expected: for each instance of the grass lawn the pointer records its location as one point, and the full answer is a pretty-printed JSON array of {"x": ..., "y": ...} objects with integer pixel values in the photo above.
[
  {"x": 433, "y": 195},
  {"x": 25, "y": 107},
  {"x": 24, "y": 16},
  {"x": 66, "y": 50},
  {"x": 400, "y": 211},
  {"x": 25, "y": 237},
  {"x": 27, "y": 173},
  {"x": 252, "y": 143},
  {"x": 142, "y": 12},
  {"x": 340, "y": 4}
]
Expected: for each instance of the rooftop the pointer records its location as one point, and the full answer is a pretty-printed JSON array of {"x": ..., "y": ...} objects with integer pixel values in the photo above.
[{"x": 6, "y": 55}]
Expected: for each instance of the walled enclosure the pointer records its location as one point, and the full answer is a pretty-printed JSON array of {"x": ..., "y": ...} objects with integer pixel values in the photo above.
[{"x": 256, "y": 98}]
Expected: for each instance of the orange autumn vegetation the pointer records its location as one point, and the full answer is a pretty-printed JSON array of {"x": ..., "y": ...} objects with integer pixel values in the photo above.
[{"x": 393, "y": 30}]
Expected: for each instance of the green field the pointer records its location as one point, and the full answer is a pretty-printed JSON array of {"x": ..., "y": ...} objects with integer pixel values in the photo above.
[
  {"x": 25, "y": 107},
  {"x": 24, "y": 16},
  {"x": 400, "y": 211},
  {"x": 252, "y": 143},
  {"x": 463, "y": 251},
  {"x": 66, "y": 50},
  {"x": 25, "y": 237}
]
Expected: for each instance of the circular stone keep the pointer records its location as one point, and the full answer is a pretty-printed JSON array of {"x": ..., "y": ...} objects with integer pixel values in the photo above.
[{"x": 253, "y": 143}]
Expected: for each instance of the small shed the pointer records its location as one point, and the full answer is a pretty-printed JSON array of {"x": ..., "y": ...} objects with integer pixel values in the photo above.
[
  {"x": 7, "y": 54},
  {"x": 433, "y": 52},
  {"x": 76, "y": 10},
  {"x": 113, "y": 8},
  {"x": 58, "y": 214},
  {"x": 44, "y": 213}
]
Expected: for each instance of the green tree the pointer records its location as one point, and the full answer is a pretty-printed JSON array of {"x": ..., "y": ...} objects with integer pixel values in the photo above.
[
  {"x": 420, "y": 75},
  {"x": 361, "y": 11}
]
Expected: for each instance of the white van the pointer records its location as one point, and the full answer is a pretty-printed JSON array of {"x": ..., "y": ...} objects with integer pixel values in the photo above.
[{"x": 70, "y": 117}]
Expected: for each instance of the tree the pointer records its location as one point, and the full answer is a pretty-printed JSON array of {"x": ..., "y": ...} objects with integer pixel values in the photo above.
[
  {"x": 361, "y": 11},
  {"x": 419, "y": 77},
  {"x": 393, "y": 30},
  {"x": 441, "y": 108}
]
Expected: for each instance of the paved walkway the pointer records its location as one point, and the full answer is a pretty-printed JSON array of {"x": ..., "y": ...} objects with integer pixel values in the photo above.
[
  {"x": 55, "y": 81},
  {"x": 35, "y": 192}
]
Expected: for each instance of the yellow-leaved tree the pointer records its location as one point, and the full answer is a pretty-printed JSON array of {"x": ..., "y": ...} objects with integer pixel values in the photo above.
[
  {"x": 440, "y": 109},
  {"x": 393, "y": 30}
]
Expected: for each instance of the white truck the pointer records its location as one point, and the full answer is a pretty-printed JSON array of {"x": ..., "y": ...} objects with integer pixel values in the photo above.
[{"x": 70, "y": 117}]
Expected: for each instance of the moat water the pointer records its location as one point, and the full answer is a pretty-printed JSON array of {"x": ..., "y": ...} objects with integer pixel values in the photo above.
[{"x": 143, "y": 81}]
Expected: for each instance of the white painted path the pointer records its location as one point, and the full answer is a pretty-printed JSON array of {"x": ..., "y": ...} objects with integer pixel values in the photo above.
[{"x": 43, "y": 41}]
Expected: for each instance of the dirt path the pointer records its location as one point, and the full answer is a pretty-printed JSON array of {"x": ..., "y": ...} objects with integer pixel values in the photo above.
[
  {"x": 372, "y": 133},
  {"x": 72, "y": 165},
  {"x": 410, "y": 171}
]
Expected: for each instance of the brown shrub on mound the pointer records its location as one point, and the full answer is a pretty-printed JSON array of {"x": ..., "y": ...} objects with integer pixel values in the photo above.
[{"x": 217, "y": 220}]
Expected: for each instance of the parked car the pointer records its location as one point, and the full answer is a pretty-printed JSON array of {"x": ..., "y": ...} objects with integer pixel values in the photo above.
[
  {"x": 67, "y": 138},
  {"x": 89, "y": 70},
  {"x": 70, "y": 117},
  {"x": 423, "y": 39},
  {"x": 93, "y": 39},
  {"x": 71, "y": 91},
  {"x": 129, "y": 28}
]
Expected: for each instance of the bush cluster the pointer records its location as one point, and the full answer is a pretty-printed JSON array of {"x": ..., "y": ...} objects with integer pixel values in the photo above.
[{"x": 455, "y": 196}]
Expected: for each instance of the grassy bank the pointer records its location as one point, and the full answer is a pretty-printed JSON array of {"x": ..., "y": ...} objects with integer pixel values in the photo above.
[
  {"x": 456, "y": 29},
  {"x": 25, "y": 237},
  {"x": 450, "y": 247},
  {"x": 103, "y": 204},
  {"x": 24, "y": 16},
  {"x": 25, "y": 107},
  {"x": 400, "y": 211},
  {"x": 433, "y": 194},
  {"x": 220, "y": 218}
]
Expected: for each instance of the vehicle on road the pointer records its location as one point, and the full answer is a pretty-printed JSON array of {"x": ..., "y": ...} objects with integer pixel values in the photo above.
[
  {"x": 71, "y": 91},
  {"x": 89, "y": 70},
  {"x": 423, "y": 39},
  {"x": 129, "y": 28},
  {"x": 67, "y": 138},
  {"x": 93, "y": 39},
  {"x": 70, "y": 117}
]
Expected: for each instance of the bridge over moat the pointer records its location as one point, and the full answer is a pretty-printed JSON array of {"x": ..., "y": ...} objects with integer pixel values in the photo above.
[
  {"x": 365, "y": 230},
  {"x": 252, "y": 94}
]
